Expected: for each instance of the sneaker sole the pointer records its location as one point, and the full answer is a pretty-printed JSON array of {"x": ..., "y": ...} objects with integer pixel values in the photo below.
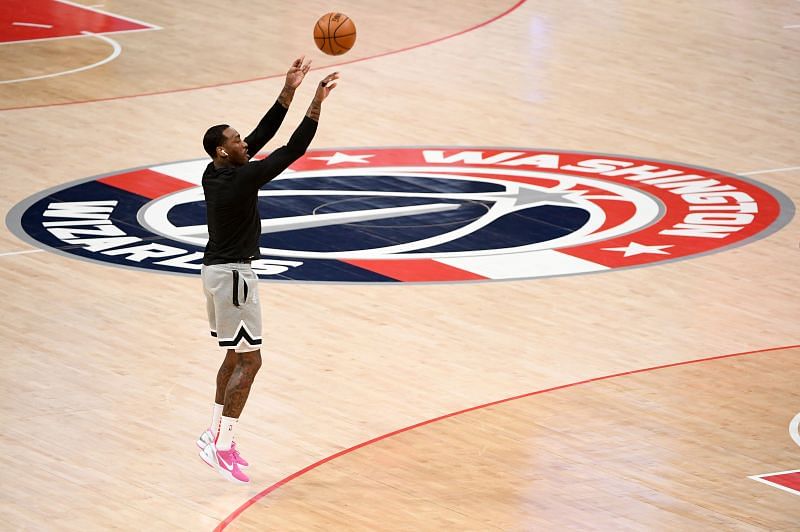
[
  {"x": 229, "y": 477},
  {"x": 207, "y": 459}
]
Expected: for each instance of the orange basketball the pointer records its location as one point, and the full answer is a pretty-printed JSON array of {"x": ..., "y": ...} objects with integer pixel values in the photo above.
[{"x": 334, "y": 33}]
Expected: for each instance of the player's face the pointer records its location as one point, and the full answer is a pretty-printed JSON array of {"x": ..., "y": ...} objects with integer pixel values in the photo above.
[{"x": 235, "y": 147}]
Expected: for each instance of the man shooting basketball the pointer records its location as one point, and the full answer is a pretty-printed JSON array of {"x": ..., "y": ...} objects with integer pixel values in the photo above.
[{"x": 231, "y": 183}]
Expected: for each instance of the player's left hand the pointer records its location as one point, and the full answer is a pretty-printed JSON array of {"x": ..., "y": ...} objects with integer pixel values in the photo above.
[
  {"x": 298, "y": 71},
  {"x": 325, "y": 86}
]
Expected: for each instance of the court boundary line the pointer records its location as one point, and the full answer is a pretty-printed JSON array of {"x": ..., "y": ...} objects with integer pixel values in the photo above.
[
  {"x": 514, "y": 7},
  {"x": 236, "y": 513}
]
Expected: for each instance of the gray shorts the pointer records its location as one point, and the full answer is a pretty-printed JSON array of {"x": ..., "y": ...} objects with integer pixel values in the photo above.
[{"x": 234, "y": 313}]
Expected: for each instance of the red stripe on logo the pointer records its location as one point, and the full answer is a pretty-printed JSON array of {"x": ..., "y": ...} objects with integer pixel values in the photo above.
[
  {"x": 146, "y": 183},
  {"x": 787, "y": 480},
  {"x": 415, "y": 270}
]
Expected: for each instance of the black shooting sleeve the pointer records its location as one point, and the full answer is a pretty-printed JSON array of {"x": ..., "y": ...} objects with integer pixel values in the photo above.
[
  {"x": 259, "y": 173},
  {"x": 266, "y": 128}
]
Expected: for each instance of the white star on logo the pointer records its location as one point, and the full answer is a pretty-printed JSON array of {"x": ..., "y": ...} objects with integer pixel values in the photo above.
[
  {"x": 340, "y": 157},
  {"x": 634, "y": 248}
]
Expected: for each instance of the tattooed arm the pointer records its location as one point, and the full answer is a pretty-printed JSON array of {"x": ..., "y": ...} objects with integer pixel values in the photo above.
[
  {"x": 323, "y": 90},
  {"x": 271, "y": 121},
  {"x": 260, "y": 173},
  {"x": 294, "y": 77}
]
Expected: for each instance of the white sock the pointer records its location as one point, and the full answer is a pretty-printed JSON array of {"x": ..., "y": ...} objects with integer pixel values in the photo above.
[
  {"x": 226, "y": 428},
  {"x": 215, "y": 417}
]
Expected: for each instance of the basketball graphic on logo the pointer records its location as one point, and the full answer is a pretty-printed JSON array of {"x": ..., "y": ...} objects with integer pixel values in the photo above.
[{"x": 421, "y": 214}]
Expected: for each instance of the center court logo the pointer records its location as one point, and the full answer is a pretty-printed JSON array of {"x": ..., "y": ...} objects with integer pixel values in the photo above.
[{"x": 433, "y": 214}]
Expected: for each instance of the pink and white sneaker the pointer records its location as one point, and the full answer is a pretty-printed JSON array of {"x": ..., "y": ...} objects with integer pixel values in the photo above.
[
  {"x": 241, "y": 462},
  {"x": 224, "y": 463},
  {"x": 205, "y": 438}
]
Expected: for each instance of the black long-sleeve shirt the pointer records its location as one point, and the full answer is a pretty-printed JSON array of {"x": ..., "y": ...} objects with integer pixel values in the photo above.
[{"x": 231, "y": 193}]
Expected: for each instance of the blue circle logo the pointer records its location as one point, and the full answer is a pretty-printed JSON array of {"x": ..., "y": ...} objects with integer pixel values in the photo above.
[{"x": 375, "y": 215}]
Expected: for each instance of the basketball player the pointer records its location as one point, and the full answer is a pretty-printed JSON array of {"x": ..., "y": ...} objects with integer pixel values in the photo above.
[{"x": 231, "y": 183}]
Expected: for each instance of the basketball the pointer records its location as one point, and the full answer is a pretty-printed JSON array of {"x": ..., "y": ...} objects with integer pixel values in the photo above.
[{"x": 334, "y": 33}]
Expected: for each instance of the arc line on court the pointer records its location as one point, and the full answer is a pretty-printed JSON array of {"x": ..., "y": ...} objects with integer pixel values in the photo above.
[
  {"x": 236, "y": 513},
  {"x": 273, "y": 76},
  {"x": 116, "y": 49}
]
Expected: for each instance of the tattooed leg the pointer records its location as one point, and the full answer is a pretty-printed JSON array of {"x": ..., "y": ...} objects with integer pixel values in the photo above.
[
  {"x": 224, "y": 374},
  {"x": 240, "y": 382}
]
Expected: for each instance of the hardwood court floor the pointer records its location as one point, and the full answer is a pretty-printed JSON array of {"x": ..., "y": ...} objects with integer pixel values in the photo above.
[
  {"x": 107, "y": 373},
  {"x": 661, "y": 449}
]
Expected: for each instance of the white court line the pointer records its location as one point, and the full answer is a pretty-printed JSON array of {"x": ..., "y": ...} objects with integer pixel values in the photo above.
[
  {"x": 76, "y": 36},
  {"x": 117, "y": 49},
  {"x": 771, "y": 171},
  {"x": 773, "y": 484},
  {"x": 793, "y": 429},
  {"x": 20, "y": 252},
  {"x": 793, "y": 26},
  {"x": 93, "y": 8},
  {"x": 147, "y": 25},
  {"x": 32, "y": 25}
]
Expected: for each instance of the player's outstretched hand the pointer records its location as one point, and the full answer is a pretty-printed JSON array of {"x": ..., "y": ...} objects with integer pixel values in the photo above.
[
  {"x": 298, "y": 71},
  {"x": 325, "y": 86}
]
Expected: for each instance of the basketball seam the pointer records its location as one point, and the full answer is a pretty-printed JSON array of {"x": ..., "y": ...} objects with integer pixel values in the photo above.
[
  {"x": 346, "y": 18},
  {"x": 335, "y": 37},
  {"x": 341, "y": 46},
  {"x": 322, "y": 32},
  {"x": 329, "y": 38}
]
